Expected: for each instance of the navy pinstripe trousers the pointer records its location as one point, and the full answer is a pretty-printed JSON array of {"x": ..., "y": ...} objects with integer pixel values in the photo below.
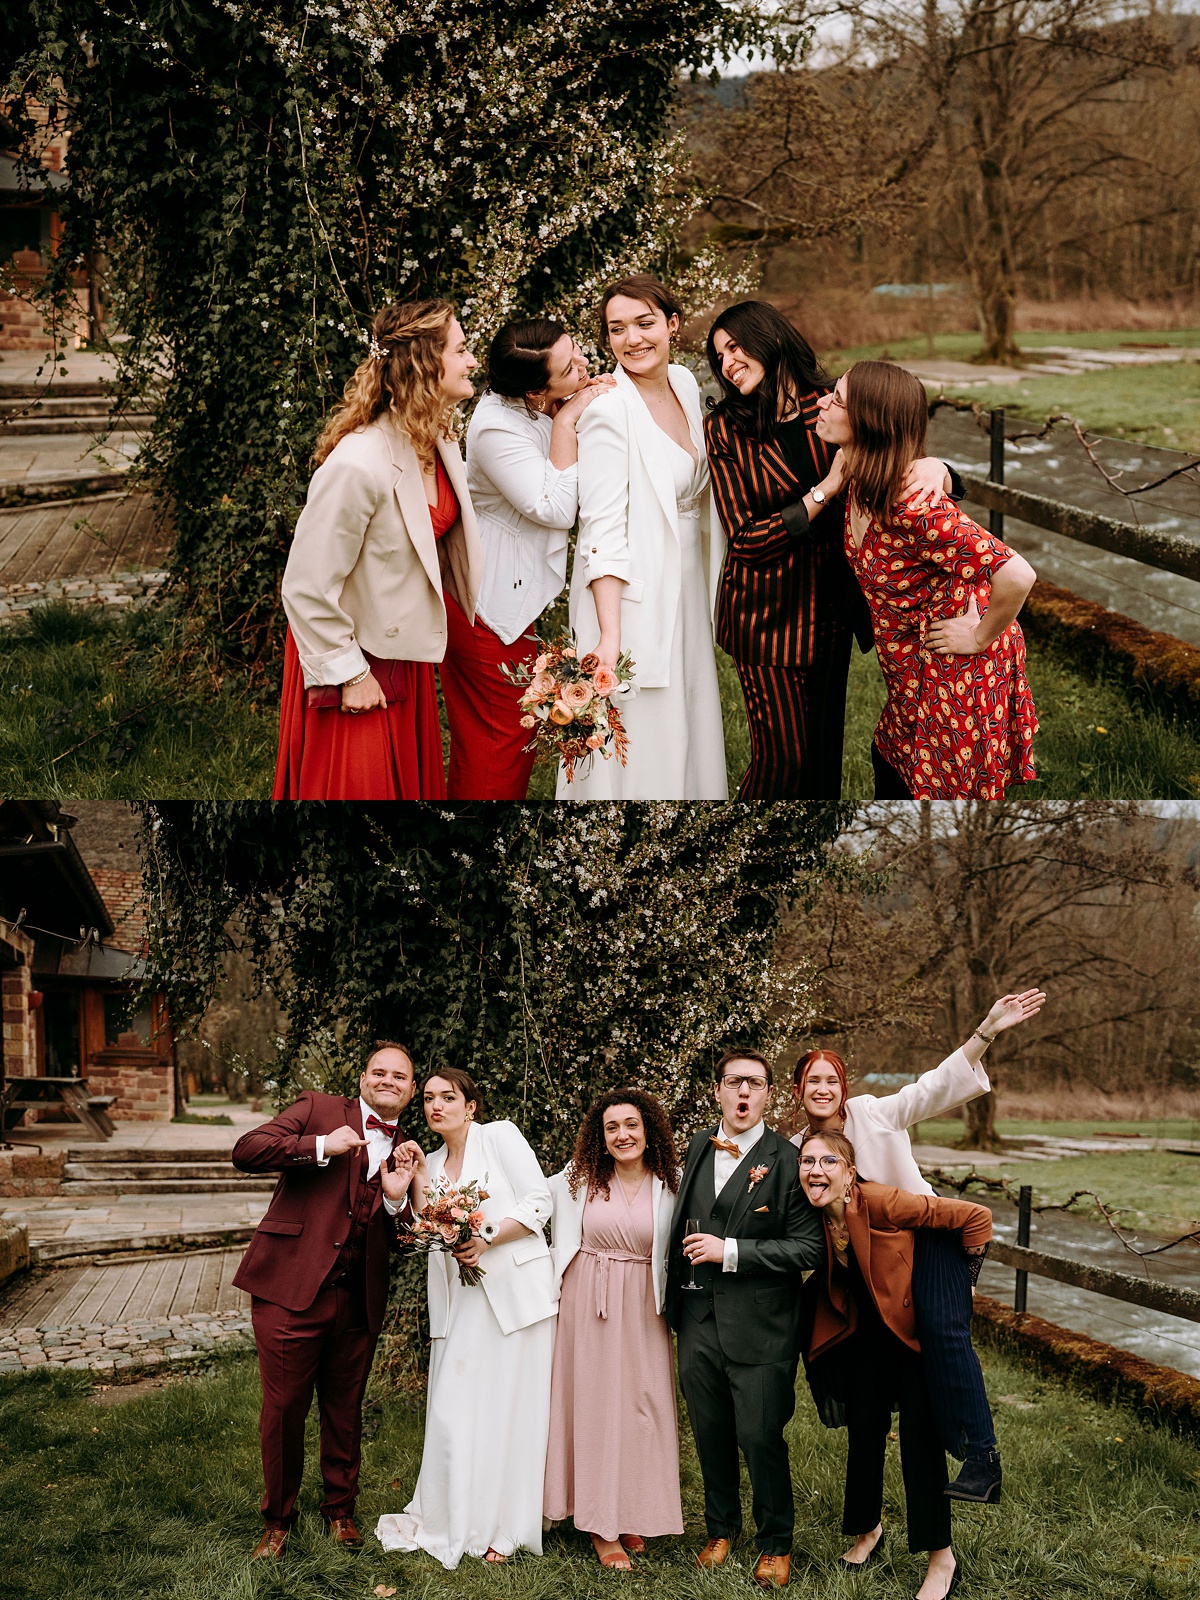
[{"x": 942, "y": 1301}]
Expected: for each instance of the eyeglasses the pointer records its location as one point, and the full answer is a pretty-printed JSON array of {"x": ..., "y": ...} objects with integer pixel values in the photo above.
[
  {"x": 835, "y": 401},
  {"x": 744, "y": 1083},
  {"x": 807, "y": 1163}
]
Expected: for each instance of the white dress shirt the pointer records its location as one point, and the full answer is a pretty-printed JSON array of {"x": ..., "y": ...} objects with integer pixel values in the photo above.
[
  {"x": 379, "y": 1147},
  {"x": 724, "y": 1167},
  {"x": 525, "y": 508}
]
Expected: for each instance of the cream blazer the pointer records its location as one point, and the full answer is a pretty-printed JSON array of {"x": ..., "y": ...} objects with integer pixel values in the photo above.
[
  {"x": 364, "y": 571},
  {"x": 568, "y": 1230},
  {"x": 877, "y": 1125},
  {"x": 629, "y": 523},
  {"x": 518, "y": 1277}
]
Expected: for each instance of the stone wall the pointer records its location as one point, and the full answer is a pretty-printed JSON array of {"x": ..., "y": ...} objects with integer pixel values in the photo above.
[
  {"x": 142, "y": 1080},
  {"x": 24, "y": 1170},
  {"x": 16, "y": 982}
]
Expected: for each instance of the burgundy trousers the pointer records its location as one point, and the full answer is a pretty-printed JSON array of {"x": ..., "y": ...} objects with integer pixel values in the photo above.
[{"x": 328, "y": 1348}]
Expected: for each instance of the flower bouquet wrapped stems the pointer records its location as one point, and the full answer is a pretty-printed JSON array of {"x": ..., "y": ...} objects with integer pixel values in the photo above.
[
  {"x": 571, "y": 704},
  {"x": 451, "y": 1217}
]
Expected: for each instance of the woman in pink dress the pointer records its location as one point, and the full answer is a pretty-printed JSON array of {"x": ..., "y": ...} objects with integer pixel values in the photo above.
[
  {"x": 943, "y": 595},
  {"x": 613, "y": 1459}
]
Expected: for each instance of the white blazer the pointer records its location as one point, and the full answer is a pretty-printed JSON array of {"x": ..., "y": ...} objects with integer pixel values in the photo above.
[
  {"x": 526, "y": 509},
  {"x": 364, "y": 571},
  {"x": 518, "y": 1277},
  {"x": 568, "y": 1230},
  {"x": 629, "y": 523},
  {"x": 877, "y": 1125}
]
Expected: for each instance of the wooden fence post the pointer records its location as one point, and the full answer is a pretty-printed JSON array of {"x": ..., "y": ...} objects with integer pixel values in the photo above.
[
  {"x": 996, "y": 470},
  {"x": 1024, "y": 1209}
]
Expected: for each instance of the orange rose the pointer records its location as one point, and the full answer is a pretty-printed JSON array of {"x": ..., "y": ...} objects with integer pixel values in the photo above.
[
  {"x": 595, "y": 740},
  {"x": 561, "y": 713}
]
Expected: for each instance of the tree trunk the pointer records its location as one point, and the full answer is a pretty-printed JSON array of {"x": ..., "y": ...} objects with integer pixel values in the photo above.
[{"x": 979, "y": 1117}]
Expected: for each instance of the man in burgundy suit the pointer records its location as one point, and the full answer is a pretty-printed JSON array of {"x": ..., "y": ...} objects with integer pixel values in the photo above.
[{"x": 317, "y": 1271}]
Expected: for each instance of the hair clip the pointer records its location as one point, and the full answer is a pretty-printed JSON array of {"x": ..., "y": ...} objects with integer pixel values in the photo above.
[{"x": 378, "y": 351}]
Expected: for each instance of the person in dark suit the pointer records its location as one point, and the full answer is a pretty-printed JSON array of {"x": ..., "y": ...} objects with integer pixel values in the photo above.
[
  {"x": 317, "y": 1272},
  {"x": 733, "y": 1297},
  {"x": 788, "y": 607}
]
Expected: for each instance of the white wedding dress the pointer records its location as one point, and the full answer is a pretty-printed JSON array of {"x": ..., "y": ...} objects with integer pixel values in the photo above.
[
  {"x": 487, "y": 1420},
  {"x": 676, "y": 734}
]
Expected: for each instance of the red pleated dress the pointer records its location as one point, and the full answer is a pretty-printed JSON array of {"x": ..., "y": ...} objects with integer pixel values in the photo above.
[{"x": 391, "y": 753}]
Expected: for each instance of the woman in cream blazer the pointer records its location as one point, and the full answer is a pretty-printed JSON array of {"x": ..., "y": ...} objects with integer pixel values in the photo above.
[
  {"x": 387, "y": 530},
  {"x": 648, "y": 559},
  {"x": 479, "y": 1491}
]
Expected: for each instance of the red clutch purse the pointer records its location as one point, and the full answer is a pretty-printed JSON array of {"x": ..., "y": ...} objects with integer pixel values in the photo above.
[{"x": 393, "y": 677}]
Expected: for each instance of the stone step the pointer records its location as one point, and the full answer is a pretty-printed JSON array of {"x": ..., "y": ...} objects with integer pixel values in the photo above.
[
  {"x": 208, "y": 1155},
  {"x": 138, "y": 1172},
  {"x": 55, "y": 405},
  {"x": 109, "y": 1186},
  {"x": 29, "y": 426},
  {"x": 61, "y": 388}
]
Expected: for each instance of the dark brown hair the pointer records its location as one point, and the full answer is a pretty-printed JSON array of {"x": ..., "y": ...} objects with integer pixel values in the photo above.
[
  {"x": 744, "y": 1055},
  {"x": 592, "y": 1164},
  {"x": 461, "y": 1080},
  {"x": 837, "y": 1142},
  {"x": 888, "y": 413},
  {"x": 790, "y": 366},
  {"x": 519, "y": 358},
  {"x": 388, "y": 1044},
  {"x": 641, "y": 286}
]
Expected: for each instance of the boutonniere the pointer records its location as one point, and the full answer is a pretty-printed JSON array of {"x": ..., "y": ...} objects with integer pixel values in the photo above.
[{"x": 757, "y": 1174}]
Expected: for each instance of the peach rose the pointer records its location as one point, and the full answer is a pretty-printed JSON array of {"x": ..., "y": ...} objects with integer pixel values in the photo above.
[
  {"x": 529, "y": 722},
  {"x": 604, "y": 680},
  {"x": 543, "y": 683},
  {"x": 595, "y": 740},
  {"x": 540, "y": 664},
  {"x": 569, "y": 654},
  {"x": 561, "y": 713},
  {"x": 577, "y": 695}
]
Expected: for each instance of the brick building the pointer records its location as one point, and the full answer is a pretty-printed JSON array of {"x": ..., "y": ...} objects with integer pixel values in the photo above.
[{"x": 72, "y": 943}]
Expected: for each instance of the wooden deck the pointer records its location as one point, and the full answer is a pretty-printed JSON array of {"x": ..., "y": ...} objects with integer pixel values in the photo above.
[
  {"x": 85, "y": 538},
  {"x": 152, "y": 1288}
]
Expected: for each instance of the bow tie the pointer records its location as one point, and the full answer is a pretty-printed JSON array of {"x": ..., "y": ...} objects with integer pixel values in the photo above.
[
  {"x": 727, "y": 1145},
  {"x": 374, "y": 1122}
]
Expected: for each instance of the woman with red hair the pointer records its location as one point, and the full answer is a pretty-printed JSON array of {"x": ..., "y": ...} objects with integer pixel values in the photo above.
[{"x": 877, "y": 1126}]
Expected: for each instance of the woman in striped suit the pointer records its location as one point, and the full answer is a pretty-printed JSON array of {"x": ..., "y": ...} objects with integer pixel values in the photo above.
[{"x": 788, "y": 606}]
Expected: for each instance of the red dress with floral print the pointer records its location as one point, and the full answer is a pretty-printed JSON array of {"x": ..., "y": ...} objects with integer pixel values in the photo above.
[{"x": 954, "y": 727}]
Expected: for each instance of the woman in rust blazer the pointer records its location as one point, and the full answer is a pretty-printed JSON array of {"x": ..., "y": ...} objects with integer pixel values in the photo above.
[
  {"x": 863, "y": 1356},
  {"x": 788, "y": 606}
]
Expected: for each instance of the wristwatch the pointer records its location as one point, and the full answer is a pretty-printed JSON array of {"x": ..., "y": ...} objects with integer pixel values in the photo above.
[{"x": 819, "y": 496}]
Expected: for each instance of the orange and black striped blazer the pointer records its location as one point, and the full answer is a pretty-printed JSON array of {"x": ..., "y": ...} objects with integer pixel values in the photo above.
[{"x": 783, "y": 600}]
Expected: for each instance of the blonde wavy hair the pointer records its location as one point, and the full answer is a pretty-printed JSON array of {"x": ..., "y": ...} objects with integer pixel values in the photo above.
[{"x": 405, "y": 382}]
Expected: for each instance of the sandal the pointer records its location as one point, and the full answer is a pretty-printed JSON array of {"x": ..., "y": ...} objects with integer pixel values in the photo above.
[
  {"x": 634, "y": 1543},
  {"x": 615, "y": 1560}
]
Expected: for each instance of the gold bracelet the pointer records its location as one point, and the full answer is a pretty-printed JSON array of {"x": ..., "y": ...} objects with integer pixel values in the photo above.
[
  {"x": 362, "y": 677},
  {"x": 984, "y": 1038}
]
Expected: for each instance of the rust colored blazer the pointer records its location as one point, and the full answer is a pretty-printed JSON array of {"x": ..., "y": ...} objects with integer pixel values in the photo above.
[
  {"x": 296, "y": 1244},
  {"x": 881, "y": 1222}
]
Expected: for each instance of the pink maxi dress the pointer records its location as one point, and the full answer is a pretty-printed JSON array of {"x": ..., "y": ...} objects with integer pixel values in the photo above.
[{"x": 613, "y": 1460}]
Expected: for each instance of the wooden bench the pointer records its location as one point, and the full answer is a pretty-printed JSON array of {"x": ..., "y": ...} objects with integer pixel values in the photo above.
[{"x": 33, "y": 1094}]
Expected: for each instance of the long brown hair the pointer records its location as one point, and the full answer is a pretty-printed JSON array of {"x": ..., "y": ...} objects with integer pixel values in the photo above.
[
  {"x": 592, "y": 1164},
  {"x": 405, "y": 382},
  {"x": 888, "y": 414}
]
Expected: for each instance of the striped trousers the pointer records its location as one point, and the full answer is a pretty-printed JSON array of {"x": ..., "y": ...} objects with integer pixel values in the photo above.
[
  {"x": 942, "y": 1301},
  {"x": 797, "y": 718}
]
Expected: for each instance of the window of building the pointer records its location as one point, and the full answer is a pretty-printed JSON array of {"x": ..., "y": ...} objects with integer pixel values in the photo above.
[
  {"x": 126, "y": 1013},
  {"x": 60, "y": 1022}
]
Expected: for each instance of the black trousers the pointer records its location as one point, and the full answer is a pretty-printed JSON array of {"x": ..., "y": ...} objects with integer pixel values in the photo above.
[
  {"x": 735, "y": 1406},
  {"x": 942, "y": 1300},
  {"x": 889, "y": 785},
  {"x": 797, "y": 719},
  {"x": 886, "y": 1370}
]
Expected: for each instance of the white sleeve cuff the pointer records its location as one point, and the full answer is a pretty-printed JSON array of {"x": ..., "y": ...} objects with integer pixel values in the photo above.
[
  {"x": 729, "y": 1260},
  {"x": 322, "y": 1158},
  {"x": 391, "y": 1207},
  {"x": 337, "y": 668}
]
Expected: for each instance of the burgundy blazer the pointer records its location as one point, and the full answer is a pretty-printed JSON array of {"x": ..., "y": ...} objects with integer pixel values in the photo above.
[
  {"x": 880, "y": 1221},
  {"x": 296, "y": 1244},
  {"x": 784, "y": 600}
]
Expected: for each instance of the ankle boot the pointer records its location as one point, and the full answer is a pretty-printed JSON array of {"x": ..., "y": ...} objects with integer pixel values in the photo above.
[{"x": 979, "y": 1479}]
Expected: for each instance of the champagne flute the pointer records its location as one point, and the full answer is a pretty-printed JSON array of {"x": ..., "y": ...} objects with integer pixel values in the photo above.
[{"x": 693, "y": 1226}]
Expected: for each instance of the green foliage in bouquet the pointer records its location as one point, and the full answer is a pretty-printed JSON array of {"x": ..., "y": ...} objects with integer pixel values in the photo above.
[
  {"x": 256, "y": 179},
  {"x": 553, "y": 952}
]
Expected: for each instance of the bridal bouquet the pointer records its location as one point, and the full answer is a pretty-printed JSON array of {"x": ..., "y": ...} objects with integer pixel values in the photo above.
[
  {"x": 570, "y": 703},
  {"x": 451, "y": 1217}
]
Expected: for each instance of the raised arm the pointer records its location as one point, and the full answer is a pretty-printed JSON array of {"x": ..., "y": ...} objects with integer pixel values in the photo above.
[{"x": 541, "y": 489}]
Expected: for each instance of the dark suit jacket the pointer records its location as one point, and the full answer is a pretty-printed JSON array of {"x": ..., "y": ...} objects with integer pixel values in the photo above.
[
  {"x": 880, "y": 1221},
  {"x": 784, "y": 599},
  {"x": 779, "y": 1236},
  {"x": 296, "y": 1244}
]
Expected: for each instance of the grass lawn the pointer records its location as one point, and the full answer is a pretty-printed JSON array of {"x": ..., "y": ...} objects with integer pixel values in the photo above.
[
  {"x": 1157, "y": 405},
  {"x": 159, "y": 1497}
]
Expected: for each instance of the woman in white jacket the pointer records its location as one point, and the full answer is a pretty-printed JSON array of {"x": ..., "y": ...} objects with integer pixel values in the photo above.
[
  {"x": 479, "y": 1492},
  {"x": 877, "y": 1127},
  {"x": 613, "y": 1459},
  {"x": 648, "y": 559}
]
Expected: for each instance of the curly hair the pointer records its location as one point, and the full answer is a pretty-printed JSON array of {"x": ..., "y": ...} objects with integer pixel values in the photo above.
[
  {"x": 592, "y": 1164},
  {"x": 405, "y": 383}
]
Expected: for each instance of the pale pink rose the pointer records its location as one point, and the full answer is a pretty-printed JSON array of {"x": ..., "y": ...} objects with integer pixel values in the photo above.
[
  {"x": 448, "y": 1231},
  {"x": 569, "y": 655},
  {"x": 577, "y": 695},
  {"x": 529, "y": 722},
  {"x": 543, "y": 683},
  {"x": 604, "y": 680},
  {"x": 459, "y": 1213},
  {"x": 561, "y": 713},
  {"x": 540, "y": 664}
]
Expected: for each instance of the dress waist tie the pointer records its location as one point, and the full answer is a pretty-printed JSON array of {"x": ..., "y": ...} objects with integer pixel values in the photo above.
[{"x": 604, "y": 1259}]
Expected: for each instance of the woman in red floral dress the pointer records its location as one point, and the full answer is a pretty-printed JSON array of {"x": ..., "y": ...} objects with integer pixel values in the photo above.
[{"x": 944, "y": 596}]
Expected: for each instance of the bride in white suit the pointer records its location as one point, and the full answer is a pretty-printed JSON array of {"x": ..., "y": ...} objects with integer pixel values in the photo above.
[
  {"x": 487, "y": 1413},
  {"x": 648, "y": 558}
]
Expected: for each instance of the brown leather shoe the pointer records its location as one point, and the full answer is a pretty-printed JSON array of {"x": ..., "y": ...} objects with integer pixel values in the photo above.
[
  {"x": 714, "y": 1554},
  {"x": 343, "y": 1530},
  {"x": 270, "y": 1546},
  {"x": 772, "y": 1572}
]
